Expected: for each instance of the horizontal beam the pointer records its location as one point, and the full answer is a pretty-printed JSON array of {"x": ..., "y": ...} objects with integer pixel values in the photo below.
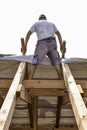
[
  {"x": 42, "y": 128},
  {"x": 65, "y": 128},
  {"x": 8, "y": 106},
  {"x": 3, "y": 92},
  {"x": 5, "y": 83},
  {"x": 37, "y": 92},
  {"x": 59, "y": 84},
  {"x": 82, "y": 82},
  {"x": 30, "y": 129},
  {"x": 35, "y": 84},
  {"x": 46, "y": 92}
]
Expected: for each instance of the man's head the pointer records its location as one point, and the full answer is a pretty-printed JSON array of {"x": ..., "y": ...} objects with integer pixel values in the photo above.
[{"x": 42, "y": 17}]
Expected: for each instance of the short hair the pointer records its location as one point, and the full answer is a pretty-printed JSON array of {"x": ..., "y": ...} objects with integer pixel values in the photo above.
[{"x": 42, "y": 16}]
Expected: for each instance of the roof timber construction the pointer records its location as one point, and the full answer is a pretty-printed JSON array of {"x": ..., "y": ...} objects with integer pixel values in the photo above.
[{"x": 45, "y": 102}]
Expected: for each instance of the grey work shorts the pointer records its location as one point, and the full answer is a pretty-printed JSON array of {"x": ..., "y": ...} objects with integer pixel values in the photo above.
[{"x": 46, "y": 47}]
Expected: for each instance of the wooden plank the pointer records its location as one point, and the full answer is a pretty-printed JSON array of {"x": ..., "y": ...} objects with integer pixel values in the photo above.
[
  {"x": 79, "y": 108},
  {"x": 65, "y": 128},
  {"x": 43, "y": 128},
  {"x": 44, "y": 84},
  {"x": 46, "y": 92},
  {"x": 3, "y": 92},
  {"x": 44, "y": 122},
  {"x": 83, "y": 83},
  {"x": 35, "y": 83},
  {"x": 5, "y": 83},
  {"x": 65, "y": 99},
  {"x": 7, "y": 109},
  {"x": 22, "y": 94}
]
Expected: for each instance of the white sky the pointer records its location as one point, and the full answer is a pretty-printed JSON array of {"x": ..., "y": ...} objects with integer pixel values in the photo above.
[{"x": 70, "y": 17}]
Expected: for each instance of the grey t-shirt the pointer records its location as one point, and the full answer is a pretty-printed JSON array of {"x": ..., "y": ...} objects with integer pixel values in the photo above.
[{"x": 44, "y": 29}]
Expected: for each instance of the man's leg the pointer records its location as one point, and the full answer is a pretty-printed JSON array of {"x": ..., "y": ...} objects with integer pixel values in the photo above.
[
  {"x": 39, "y": 54},
  {"x": 32, "y": 72},
  {"x": 59, "y": 71}
]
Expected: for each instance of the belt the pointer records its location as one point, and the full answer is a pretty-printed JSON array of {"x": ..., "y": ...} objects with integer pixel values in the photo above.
[{"x": 48, "y": 39}]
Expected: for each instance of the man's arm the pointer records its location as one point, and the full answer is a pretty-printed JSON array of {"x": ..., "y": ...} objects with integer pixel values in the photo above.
[
  {"x": 27, "y": 38},
  {"x": 60, "y": 40},
  {"x": 24, "y": 49}
]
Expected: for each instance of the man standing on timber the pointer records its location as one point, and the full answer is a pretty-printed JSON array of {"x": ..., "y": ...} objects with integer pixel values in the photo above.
[{"x": 46, "y": 44}]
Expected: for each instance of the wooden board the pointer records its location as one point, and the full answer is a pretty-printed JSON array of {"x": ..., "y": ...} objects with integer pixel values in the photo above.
[
  {"x": 9, "y": 103},
  {"x": 79, "y": 108}
]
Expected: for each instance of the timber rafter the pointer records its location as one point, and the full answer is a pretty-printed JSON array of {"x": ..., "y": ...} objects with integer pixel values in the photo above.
[
  {"x": 78, "y": 105},
  {"x": 7, "y": 109}
]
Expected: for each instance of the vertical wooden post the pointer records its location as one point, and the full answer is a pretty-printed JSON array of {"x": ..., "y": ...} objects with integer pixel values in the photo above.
[
  {"x": 30, "y": 114},
  {"x": 59, "y": 104},
  {"x": 35, "y": 113}
]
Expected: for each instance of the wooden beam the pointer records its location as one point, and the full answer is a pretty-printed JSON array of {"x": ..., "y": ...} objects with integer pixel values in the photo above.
[
  {"x": 30, "y": 110},
  {"x": 40, "y": 128},
  {"x": 65, "y": 99},
  {"x": 23, "y": 94},
  {"x": 46, "y": 92},
  {"x": 79, "y": 108},
  {"x": 59, "y": 84},
  {"x": 3, "y": 92},
  {"x": 59, "y": 104},
  {"x": 7, "y": 109},
  {"x": 65, "y": 128},
  {"x": 40, "y": 92},
  {"x": 35, "y": 113},
  {"x": 43, "y": 128},
  {"x": 83, "y": 83},
  {"x": 5, "y": 83}
]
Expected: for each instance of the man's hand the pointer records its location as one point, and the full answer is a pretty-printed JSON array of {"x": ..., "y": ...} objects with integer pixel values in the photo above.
[{"x": 61, "y": 48}]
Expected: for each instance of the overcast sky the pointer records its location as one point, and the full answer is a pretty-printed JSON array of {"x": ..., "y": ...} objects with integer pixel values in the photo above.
[{"x": 70, "y": 17}]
